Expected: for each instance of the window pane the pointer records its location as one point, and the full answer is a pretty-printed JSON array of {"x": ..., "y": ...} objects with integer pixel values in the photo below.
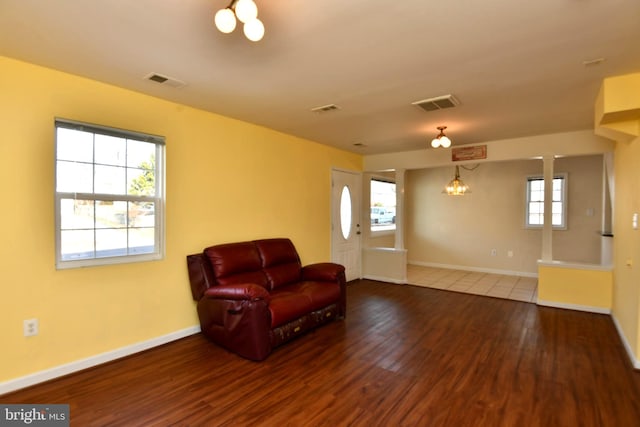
[
  {"x": 111, "y": 214},
  {"x": 537, "y": 196},
  {"x": 76, "y": 244},
  {"x": 345, "y": 212},
  {"x": 76, "y": 215},
  {"x": 74, "y": 145},
  {"x": 111, "y": 242},
  {"x": 537, "y": 185},
  {"x": 536, "y": 208},
  {"x": 141, "y": 241},
  {"x": 74, "y": 177},
  {"x": 110, "y": 180},
  {"x": 110, "y": 150},
  {"x": 139, "y": 152},
  {"x": 141, "y": 214},
  {"x": 535, "y": 219},
  {"x": 141, "y": 182}
]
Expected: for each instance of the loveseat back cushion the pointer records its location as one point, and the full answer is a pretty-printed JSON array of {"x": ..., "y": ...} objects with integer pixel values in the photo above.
[
  {"x": 235, "y": 263},
  {"x": 280, "y": 261}
]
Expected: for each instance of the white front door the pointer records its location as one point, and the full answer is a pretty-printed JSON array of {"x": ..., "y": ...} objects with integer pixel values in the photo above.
[{"x": 345, "y": 221}]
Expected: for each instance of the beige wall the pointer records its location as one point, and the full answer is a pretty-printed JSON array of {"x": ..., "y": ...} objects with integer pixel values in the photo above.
[{"x": 462, "y": 231}]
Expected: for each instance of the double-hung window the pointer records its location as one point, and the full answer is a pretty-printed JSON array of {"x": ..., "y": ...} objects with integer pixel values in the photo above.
[
  {"x": 535, "y": 202},
  {"x": 109, "y": 195}
]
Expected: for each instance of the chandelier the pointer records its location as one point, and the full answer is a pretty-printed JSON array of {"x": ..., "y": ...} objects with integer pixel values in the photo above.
[
  {"x": 441, "y": 140},
  {"x": 247, "y": 12},
  {"x": 456, "y": 187}
]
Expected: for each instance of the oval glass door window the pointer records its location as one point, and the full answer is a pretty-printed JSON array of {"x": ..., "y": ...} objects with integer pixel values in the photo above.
[{"x": 345, "y": 212}]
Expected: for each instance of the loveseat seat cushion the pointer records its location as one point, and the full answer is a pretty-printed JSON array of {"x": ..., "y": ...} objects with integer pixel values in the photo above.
[
  {"x": 280, "y": 261},
  {"x": 291, "y": 301},
  {"x": 236, "y": 263}
]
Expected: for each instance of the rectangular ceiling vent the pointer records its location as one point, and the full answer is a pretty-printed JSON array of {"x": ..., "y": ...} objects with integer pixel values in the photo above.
[
  {"x": 164, "y": 80},
  {"x": 437, "y": 103},
  {"x": 325, "y": 108}
]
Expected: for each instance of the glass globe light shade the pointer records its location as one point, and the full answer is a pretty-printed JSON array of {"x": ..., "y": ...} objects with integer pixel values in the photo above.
[
  {"x": 435, "y": 142},
  {"x": 225, "y": 20},
  {"x": 445, "y": 142},
  {"x": 254, "y": 30},
  {"x": 246, "y": 10}
]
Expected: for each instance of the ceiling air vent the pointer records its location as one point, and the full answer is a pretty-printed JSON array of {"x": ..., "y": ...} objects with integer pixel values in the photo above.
[
  {"x": 325, "y": 108},
  {"x": 437, "y": 103},
  {"x": 164, "y": 80}
]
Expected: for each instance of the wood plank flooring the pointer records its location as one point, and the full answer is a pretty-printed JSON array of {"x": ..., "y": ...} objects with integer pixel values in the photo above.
[{"x": 405, "y": 356}]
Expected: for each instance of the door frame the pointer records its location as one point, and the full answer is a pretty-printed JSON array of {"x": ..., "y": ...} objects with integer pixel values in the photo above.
[{"x": 357, "y": 208}]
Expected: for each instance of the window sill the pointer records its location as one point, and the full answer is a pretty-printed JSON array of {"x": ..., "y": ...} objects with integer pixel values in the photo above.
[{"x": 539, "y": 227}]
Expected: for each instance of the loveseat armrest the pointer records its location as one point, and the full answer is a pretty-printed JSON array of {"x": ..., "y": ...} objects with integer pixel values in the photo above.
[
  {"x": 323, "y": 272},
  {"x": 245, "y": 291}
]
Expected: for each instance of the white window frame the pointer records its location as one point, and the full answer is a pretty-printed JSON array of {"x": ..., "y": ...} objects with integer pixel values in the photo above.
[
  {"x": 563, "y": 200},
  {"x": 158, "y": 199},
  {"x": 390, "y": 230}
]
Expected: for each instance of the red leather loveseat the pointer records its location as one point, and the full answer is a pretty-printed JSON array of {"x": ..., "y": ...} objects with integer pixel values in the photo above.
[{"x": 254, "y": 296}]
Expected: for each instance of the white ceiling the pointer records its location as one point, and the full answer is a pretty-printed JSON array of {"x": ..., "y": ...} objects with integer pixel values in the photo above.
[{"x": 515, "y": 66}]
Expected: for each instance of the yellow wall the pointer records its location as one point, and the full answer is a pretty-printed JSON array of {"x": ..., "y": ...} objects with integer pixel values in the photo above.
[
  {"x": 570, "y": 285},
  {"x": 617, "y": 116},
  {"x": 226, "y": 181},
  {"x": 626, "y": 304}
]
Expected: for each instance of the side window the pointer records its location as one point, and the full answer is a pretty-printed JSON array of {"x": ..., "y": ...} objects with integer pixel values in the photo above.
[
  {"x": 535, "y": 202},
  {"x": 109, "y": 195},
  {"x": 383, "y": 205}
]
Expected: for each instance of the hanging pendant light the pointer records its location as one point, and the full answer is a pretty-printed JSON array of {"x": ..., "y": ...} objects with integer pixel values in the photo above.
[
  {"x": 456, "y": 187},
  {"x": 441, "y": 140},
  {"x": 225, "y": 20},
  {"x": 246, "y": 12}
]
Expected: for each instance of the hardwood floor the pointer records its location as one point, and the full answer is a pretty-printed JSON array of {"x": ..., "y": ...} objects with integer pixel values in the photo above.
[{"x": 405, "y": 356}]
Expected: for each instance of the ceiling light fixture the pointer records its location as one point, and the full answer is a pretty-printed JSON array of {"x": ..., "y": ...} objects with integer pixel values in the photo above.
[
  {"x": 247, "y": 12},
  {"x": 456, "y": 187},
  {"x": 441, "y": 140}
]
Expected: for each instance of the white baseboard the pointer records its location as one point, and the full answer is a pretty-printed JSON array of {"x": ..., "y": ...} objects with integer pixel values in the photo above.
[
  {"x": 598, "y": 310},
  {"x": 475, "y": 269},
  {"x": 635, "y": 362},
  {"x": 98, "y": 359},
  {"x": 385, "y": 279}
]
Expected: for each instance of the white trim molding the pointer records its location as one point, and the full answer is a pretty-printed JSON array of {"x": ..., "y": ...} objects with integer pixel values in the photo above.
[
  {"x": 598, "y": 310},
  {"x": 632, "y": 358},
  {"x": 98, "y": 359},
  {"x": 385, "y": 279}
]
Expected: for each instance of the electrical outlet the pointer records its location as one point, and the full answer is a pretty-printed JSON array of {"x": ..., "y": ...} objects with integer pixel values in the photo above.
[
  {"x": 494, "y": 252},
  {"x": 510, "y": 254},
  {"x": 30, "y": 327}
]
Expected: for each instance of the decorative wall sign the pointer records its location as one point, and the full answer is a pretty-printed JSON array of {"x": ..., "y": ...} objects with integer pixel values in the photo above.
[{"x": 476, "y": 152}]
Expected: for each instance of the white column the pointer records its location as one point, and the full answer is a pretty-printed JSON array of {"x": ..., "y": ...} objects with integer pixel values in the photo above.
[
  {"x": 547, "y": 228},
  {"x": 399, "y": 237}
]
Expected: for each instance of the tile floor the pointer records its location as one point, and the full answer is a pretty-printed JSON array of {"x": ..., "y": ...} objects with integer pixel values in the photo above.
[{"x": 489, "y": 284}]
